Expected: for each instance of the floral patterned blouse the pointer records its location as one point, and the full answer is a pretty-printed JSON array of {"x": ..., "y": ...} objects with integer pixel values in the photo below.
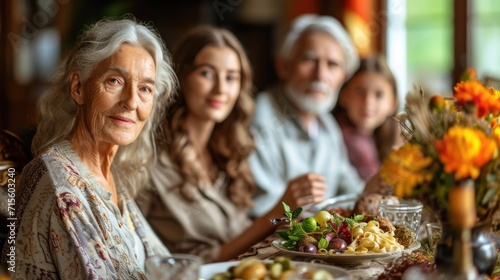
[{"x": 68, "y": 228}]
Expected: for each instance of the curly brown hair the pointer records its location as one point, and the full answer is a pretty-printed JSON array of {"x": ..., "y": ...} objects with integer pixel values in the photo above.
[{"x": 231, "y": 142}]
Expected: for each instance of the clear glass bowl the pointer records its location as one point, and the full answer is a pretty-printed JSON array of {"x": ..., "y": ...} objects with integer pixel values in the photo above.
[{"x": 406, "y": 212}]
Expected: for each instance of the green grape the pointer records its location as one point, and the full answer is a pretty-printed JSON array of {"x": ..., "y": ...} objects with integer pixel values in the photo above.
[{"x": 309, "y": 224}]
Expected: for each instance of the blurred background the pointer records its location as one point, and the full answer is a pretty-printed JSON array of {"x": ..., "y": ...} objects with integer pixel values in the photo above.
[{"x": 428, "y": 43}]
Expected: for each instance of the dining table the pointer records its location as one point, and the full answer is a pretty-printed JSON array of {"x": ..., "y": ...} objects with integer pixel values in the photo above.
[{"x": 366, "y": 270}]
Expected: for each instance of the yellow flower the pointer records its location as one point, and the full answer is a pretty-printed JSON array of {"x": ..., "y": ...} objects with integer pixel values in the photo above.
[
  {"x": 464, "y": 151},
  {"x": 405, "y": 168}
]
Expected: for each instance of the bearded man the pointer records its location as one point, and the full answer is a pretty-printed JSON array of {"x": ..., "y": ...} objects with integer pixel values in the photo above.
[{"x": 299, "y": 146}]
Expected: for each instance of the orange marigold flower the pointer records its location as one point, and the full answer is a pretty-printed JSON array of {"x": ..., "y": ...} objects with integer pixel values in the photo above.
[
  {"x": 464, "y": 151},
  {"x": 476, "y": 94},
  {"x": 405, "y": 168}
]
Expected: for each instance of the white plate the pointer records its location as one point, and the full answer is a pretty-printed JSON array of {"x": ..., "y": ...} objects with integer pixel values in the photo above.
[
  {"x": 208, "y": 271},
  {"x": 347, "y": 258}
]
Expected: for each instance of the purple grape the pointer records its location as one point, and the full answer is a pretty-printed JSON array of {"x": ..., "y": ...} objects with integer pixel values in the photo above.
[
  {"x": 308, "y": 248},
  {"x": 338, "y": 244},
  {"x": 329, "y": 236}
]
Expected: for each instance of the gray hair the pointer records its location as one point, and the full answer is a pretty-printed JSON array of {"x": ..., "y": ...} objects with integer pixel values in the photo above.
[
  {"x": 328, "y": 25},
  {"x": 57, "y": 109}
]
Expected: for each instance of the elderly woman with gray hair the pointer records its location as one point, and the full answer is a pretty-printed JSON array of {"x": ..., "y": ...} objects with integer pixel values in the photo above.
[
  {"x": 300, "y": 154},
  {"x": 77, "y": 218}
]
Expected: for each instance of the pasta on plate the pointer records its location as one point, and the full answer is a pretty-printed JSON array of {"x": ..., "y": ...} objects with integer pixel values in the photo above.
[{"x": 372, "y": 239}]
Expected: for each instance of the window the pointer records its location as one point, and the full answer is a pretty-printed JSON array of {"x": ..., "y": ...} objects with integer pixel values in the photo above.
[
  {"x": 484, "y": 38},
  {"x": 420, "y": 44}
]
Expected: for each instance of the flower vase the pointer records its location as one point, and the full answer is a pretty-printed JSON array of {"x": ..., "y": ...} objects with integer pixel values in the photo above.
[{"x": 484, "y": 248}]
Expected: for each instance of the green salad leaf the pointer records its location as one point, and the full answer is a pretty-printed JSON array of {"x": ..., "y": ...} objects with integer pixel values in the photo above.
[
  {"x": 295, "y": 233},
  {"x": 291, "y": 214}
]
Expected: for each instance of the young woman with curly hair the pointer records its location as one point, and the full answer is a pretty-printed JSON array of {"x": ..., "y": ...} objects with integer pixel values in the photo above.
[{"x": 202, "y": 187}]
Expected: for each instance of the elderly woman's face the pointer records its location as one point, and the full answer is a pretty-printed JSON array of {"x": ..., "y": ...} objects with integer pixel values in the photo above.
[{"x": 118, "y": 97}]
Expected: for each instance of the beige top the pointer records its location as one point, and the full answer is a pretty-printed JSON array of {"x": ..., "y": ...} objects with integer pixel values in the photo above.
[{"x": 199, "y": 227}]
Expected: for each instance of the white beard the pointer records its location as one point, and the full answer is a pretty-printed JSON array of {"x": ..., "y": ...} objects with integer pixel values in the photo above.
[{"x": 311, "y": 105}]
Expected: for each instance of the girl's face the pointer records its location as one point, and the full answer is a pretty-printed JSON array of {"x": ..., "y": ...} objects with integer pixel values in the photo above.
[
  {"x": 368, "y": 100},
  {"x": 213, "y": 86}
]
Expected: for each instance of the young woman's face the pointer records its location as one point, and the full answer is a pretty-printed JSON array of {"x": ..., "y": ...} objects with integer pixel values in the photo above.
[
  {"x": 368, "y": 100},
  {"x": 117, "y": 99},
  {"x": 213, "y": 86}
]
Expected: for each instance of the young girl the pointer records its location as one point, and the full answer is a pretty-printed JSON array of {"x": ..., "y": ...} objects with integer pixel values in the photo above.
[
  {"x": 201, "y": 186},
  {"x": 365, "y": 109}
]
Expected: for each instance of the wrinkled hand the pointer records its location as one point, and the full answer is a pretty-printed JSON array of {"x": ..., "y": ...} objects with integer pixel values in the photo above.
[{"x": 305, "y": 189}]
